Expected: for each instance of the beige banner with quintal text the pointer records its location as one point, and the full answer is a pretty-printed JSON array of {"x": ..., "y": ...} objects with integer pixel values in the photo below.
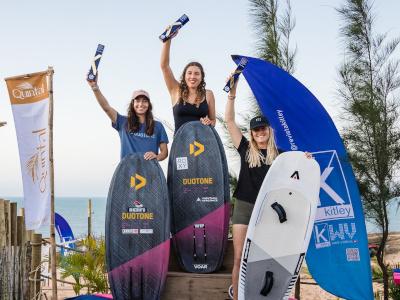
[{"x": 29, "y": 96}]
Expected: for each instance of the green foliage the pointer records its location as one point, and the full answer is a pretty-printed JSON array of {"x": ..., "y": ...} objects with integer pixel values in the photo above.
[
  {"x": 274, "y": 32},
  {"x": 87, "y": 268},
  {"x": 273, "y": 29},
  {"x": 376, "y": 273},
  {"x": 369, "y": 80},
  {"x": 394, "y": 290},
  {"x": 233, "y": 181},
  {"x": 369, "y": 84}
]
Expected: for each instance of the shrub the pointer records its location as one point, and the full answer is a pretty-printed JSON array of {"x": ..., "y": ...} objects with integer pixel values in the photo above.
[{"x": 87, "y": 267}]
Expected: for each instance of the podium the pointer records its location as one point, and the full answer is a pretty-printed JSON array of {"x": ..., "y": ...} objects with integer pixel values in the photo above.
[{"x": 181, "y": 285}]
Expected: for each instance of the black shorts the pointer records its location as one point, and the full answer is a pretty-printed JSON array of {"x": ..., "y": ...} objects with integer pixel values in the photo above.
[{"x": 242, "y": 212}]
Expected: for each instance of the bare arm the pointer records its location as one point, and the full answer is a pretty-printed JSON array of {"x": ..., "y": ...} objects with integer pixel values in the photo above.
[
  {"x": 233, "y": 129},
  {"x": 163, "y": 152},
  {"x": 149, "y": 155},
  {"x": 211, "y": 107},
  {"x": 170, "y": 81},
  {"x": 111, "y": 112}
]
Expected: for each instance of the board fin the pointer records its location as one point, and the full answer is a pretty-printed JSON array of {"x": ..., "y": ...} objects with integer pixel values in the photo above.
[
  {"x": 194, "y": 243},
  {"x": 205, "y": 242},
  {"x": 199, "y": 226}
]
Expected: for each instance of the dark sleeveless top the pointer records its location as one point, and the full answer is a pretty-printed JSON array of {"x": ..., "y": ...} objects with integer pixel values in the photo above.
[{"x": 186, "y": 112}]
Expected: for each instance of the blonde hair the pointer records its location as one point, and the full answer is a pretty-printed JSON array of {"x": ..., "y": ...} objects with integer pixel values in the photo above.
[{"x": 254, "y": 156}]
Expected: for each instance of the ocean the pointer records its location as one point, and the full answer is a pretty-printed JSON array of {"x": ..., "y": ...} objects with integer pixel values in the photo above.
[{"x": 75, "y": 211}]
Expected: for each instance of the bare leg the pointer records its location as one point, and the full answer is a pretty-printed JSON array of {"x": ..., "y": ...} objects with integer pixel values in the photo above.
[{"x": 239, "y": 234}]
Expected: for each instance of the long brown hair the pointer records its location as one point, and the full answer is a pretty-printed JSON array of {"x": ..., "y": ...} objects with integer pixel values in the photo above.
[
  {"x": 183, "y": 88},
  {"x": 133, "y": 123}
]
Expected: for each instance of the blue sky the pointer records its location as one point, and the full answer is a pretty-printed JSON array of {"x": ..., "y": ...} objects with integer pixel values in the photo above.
[{"x": 65, "y": 35}]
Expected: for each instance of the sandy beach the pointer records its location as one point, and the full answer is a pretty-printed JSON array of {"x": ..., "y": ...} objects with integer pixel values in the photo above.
[
  {"x": 392, "y": 247},
  {"x": 309, "y": 290}
]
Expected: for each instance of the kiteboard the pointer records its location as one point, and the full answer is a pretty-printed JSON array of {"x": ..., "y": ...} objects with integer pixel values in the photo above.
[
  {"x": 198, "y": 183},
  {"x": 280, "y": 228},
  {"x": 137, "y": 229}
]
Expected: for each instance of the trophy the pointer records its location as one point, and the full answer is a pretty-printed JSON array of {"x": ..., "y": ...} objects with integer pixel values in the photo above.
[
  {"x": 235, "y": 75},
  {"x": 95, "y": 64},
  {"x": 166, "y": 35}
]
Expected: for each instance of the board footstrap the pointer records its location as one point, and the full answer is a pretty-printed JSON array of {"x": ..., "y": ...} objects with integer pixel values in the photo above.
[
  {"x": 280, "y": 211},
  {"x": 268, "y": 283}
]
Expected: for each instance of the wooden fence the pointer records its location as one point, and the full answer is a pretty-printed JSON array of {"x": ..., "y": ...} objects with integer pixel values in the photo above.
[{"x": 20, "y": 255}]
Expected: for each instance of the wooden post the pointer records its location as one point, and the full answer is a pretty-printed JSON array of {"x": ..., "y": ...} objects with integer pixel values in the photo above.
[
  {"x": 22, "y": 212},
  {"x": 19, "y": 258},
  {"x": 7, "y": 218},
  {"x": 8, "y": 251},
  {"x": 20, "y": 231},
  {"x": 89, "y": 218},
  {"x": 50, "y": 73},
  {"x": 28, "y": 265},
  {"x": 3, "y": 250},
  {"x": 3, "y": 232},
  {"x": 13, "y": 227},
  {"x": 13, "y": 220},
  {"x": 29, "y": 235},
  {"x": 25, "y": 232},
  {"x": 36, "y": 259}
]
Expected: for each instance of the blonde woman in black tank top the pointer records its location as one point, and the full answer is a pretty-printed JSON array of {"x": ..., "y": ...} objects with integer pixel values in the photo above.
[{"x": 191, "y": 101}]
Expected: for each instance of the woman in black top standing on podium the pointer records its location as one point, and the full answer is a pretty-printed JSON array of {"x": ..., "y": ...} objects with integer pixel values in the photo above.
[
  {"x": 191, "y": 101},
  {"x": 256, "y": 155}
]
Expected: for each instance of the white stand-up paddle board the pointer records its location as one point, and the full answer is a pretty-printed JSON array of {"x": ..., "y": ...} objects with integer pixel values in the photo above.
[{"x": 280, "y": 228}]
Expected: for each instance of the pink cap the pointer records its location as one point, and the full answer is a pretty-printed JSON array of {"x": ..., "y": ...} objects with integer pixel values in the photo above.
[{"x": 138, "y": 93}]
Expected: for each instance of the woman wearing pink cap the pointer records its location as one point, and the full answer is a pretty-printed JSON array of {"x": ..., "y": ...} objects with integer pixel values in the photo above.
[
  {"x": 191, "y": 101},
  {"x": 138, "y": 131}
]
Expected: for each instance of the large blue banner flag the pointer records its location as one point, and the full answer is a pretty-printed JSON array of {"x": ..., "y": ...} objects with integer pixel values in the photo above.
[{"x": 338, "y": 256}]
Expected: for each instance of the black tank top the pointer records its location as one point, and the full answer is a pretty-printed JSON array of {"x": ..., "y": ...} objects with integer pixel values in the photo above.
[{"x": 186, "y": 112}]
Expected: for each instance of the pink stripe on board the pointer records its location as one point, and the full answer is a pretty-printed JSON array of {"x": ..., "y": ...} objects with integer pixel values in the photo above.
[
  {"x": 150, "y": 259},
  {"x": 214, "y": 220},
  {"x": 105, "y": 296}
]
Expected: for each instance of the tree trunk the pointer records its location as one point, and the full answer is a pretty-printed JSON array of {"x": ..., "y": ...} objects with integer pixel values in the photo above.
[{"x": 381, "y": 262}]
